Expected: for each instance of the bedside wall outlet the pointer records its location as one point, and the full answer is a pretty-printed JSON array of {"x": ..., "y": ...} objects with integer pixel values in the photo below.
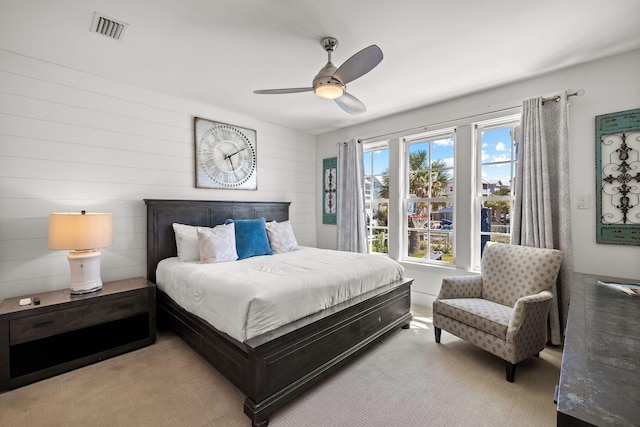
[{"x": 583, "y": 201}]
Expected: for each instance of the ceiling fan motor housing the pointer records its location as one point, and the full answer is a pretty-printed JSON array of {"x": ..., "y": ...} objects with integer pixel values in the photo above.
[{"x": 325, "y": 77}]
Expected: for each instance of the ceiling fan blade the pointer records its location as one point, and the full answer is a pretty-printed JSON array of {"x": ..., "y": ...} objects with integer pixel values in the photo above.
[
  {"x": 350, "y": 104},
  {"x": 359, "y": 64},
  {"x": 278, "y": 91}
]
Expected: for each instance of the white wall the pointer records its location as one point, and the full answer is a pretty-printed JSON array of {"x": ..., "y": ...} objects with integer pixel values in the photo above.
[
  {"x": 71, "y": 141},
  {"x": 611, "y": 85}
]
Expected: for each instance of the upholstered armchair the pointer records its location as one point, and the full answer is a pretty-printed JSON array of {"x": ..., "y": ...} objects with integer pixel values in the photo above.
[{"x": 503, "y": 311}]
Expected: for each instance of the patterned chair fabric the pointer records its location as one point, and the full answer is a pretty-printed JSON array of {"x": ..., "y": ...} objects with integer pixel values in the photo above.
[{"x": 503, "y": 311}]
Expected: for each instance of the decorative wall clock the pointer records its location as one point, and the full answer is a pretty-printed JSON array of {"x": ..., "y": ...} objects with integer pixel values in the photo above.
[
  {"x": 329, "y": 190},
  {"x": 618, "y": 178},
  {"x": 226, "y": 156}
]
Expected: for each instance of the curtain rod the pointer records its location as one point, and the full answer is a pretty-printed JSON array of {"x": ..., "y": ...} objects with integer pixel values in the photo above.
[
  {"x": 419, "y": 128},
  {"x": 556, "y": 98},
  {"x": 430, "y": 125}
]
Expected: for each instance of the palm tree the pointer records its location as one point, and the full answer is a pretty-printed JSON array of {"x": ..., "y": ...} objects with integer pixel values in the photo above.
[{"x": 420, "y": 186}]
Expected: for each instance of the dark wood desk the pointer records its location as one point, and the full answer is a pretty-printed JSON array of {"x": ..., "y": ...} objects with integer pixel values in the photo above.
[{"x": 600, "y": 374}]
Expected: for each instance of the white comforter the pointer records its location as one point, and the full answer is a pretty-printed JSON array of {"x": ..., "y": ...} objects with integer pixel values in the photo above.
[{"x": 249, "y": 297}]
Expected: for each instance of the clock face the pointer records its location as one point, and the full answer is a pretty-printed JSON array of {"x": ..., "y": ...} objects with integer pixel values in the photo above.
[{"x": 225, "y": 156}]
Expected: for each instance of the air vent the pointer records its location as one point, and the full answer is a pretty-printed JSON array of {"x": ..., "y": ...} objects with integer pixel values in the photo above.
[{"x": 107, "y": 26}]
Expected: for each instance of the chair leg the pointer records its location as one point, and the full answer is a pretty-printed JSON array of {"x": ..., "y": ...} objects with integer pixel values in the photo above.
[
  {"x": 438, "y": 332},
  {"x": 511, "y": 371}
]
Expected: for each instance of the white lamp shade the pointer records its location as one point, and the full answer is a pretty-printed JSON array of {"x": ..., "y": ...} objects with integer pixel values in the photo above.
[{"x": 80, "y": 231}]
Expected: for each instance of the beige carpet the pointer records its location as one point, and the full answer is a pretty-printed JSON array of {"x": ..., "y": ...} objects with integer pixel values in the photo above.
[{"x": 407, "y": 380}]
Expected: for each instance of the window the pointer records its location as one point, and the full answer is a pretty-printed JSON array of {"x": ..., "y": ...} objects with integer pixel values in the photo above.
[
  {"x": 429, "y": 198},
  {"x": 496, "y": 145},
  {"x": 376, "y": 183},
  {"x": 435, "y": 198}
]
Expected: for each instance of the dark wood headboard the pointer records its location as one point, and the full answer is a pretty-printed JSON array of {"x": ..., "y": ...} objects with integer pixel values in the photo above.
[{"x": 161, "y": 214}]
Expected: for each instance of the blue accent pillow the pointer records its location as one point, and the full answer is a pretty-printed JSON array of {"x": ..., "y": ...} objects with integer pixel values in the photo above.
[{"x": 251, "y": 237}]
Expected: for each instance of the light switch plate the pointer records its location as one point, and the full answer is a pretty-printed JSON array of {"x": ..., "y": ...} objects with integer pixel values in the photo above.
[{"x": 583, "y": 201}]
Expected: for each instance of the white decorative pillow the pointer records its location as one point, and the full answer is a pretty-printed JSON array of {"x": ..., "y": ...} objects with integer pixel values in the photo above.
[
  {"x": 217, "y": 244},
  {"x": 186, "y": 242},
  {"x": 281, "y": 237}
]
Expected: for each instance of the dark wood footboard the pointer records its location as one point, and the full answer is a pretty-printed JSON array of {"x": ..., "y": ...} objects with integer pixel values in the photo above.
[
  {"x": 274, "y": 368},
  {"x": 287, "y": 362}
]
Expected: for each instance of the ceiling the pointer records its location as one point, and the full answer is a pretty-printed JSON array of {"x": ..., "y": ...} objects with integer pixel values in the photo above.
[{"x": 218, "y": 51}]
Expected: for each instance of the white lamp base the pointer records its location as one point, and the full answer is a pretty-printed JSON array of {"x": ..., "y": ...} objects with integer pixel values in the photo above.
[{"x": 85, "y": 271}]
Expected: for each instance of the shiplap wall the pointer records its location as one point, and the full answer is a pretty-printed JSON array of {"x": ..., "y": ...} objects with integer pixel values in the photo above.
[{"x": 71, "y": 141}]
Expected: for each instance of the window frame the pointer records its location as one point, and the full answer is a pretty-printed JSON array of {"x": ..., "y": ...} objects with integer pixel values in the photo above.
[
  {"x": 406, "y": 142},
  {"x": 466, "y": 215},
  {"x": 372, "y": 147},
  {"x": 512, "y": 121}
]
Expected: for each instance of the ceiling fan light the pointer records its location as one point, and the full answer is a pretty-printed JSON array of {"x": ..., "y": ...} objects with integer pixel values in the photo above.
[{"x": 329, "y": 91}]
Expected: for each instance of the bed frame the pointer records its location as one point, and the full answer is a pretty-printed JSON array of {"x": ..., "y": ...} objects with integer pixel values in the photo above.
[{"x": 273, "y": 368}]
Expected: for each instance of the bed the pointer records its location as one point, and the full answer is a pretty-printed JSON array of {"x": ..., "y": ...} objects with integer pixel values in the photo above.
[{"x": 273, "y": 367}]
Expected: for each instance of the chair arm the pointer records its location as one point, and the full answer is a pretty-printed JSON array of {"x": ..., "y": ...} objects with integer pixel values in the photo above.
[
  {"x": 529, "y": 315},
  {"x": 461, "y": 287}
]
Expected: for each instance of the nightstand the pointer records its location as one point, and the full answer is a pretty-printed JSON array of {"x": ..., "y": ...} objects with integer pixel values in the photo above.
[{"x": 65, "y": 331}]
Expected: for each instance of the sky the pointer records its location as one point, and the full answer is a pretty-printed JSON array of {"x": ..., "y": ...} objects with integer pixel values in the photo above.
[{"x": 495, "y": 149}]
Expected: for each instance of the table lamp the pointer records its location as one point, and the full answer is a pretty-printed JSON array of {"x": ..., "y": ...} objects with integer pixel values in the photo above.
[{"x": 83, "y": 234}]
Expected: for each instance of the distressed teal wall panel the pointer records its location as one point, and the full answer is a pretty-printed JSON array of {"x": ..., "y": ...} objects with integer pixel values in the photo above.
[
  {"x": 618, "y": 178},
  {"x": 329, "y": 190}
]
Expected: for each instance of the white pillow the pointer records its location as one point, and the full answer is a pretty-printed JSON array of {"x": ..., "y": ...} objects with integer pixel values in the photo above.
[
  {"x": 186, "y": 242},
  {"x": 217, "y": 244},
  {"x": 281, "y": 237}
]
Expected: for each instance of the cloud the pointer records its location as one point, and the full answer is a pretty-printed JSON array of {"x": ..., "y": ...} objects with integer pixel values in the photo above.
[
  {"x": 501, "y": 147},
  {"x": 448, "y": 142}
]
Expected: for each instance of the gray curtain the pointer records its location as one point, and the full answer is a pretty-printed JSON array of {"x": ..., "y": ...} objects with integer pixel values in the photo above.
[
  {"x": 351, "y": 215},
  {"x": 542, "y": 212}
]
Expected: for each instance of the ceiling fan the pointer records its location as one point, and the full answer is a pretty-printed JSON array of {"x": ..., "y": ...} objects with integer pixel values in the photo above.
[{"x": 331, "y": 82}]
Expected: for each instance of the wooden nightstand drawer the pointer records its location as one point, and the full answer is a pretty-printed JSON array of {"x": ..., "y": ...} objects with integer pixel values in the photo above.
[{"x": 68, "y": 319}]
